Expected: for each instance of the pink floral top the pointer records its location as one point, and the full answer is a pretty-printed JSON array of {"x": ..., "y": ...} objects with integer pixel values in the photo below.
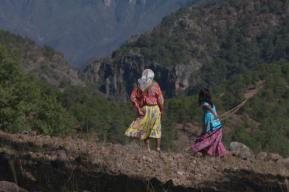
[{"x": 152, "y": 96}]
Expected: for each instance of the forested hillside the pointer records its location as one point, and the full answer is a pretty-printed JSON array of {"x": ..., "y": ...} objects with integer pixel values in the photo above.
[
  {"x": 28, "y": 103},
  {"x": 43, "y": 62},
  {"x": 199, "y": 45}
]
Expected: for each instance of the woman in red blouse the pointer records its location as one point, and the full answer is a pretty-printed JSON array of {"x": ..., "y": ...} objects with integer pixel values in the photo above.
[{"x": 148, "y": 100}]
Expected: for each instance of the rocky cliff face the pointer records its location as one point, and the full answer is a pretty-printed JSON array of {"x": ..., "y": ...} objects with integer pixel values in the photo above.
[
  {"x": 200, "y": 45},
  {"x": 83, "y": 29},
  {"x": 117, "y": 76}
]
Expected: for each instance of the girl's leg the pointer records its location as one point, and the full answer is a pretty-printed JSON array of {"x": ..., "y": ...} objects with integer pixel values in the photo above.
[{"x": 147, "y": 144}]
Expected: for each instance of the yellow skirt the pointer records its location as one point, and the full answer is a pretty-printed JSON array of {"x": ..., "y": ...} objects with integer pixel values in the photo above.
[{"x": 148, "y": 126}]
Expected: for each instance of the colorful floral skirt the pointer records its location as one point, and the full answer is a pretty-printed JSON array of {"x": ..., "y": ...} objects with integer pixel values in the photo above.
[
  {"x": 148, "y": 126},
  {"x": 210, "y": 143}
]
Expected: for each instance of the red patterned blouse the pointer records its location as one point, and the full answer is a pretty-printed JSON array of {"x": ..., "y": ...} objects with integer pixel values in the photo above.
[{"x": 151, "y": 96}]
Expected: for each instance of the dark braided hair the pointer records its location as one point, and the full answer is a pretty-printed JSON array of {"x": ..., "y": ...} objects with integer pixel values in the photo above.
[{"x": 205, "y": 96}]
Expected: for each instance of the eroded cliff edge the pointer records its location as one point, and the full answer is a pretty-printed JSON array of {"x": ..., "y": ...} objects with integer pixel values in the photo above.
[{"x": 43, "y": 163}]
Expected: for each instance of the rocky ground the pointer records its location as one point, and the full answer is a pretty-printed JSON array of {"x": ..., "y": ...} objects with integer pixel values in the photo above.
[
  {"x": 38, "y": 163},
  {"x": 6, "y": 186}
]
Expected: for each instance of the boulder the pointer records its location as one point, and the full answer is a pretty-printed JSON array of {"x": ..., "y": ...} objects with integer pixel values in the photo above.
[{"x": 241, "y": 150}]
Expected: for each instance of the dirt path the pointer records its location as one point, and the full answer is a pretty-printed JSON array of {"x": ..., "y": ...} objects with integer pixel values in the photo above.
[{"x": 249, "y": 94}]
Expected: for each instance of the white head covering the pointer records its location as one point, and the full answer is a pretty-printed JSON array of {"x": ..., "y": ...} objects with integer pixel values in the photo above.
[{"x": 146, "y": 79}]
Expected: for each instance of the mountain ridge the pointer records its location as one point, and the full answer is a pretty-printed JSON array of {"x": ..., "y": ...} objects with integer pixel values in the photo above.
[{"x": 86, "y": 28}]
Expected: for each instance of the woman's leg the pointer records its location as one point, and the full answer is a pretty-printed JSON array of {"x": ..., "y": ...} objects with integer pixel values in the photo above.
[
  {"x": 147, "y": 144},
  {"x": 158, "y": 144}
]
